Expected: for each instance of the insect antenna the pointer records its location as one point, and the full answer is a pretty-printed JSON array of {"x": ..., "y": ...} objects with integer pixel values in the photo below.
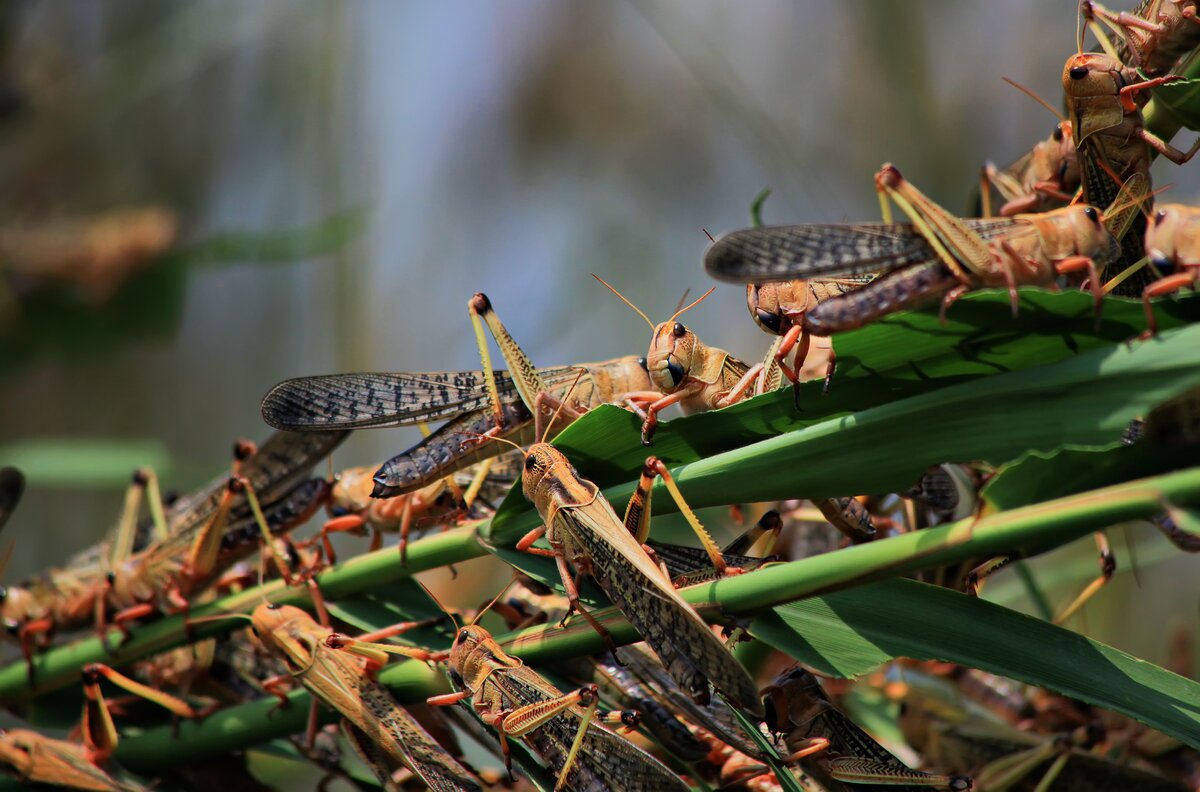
[
  {"x": 562, "y": 404},
  {"x": 495, "y": 599},
  {"x": 622, "y": 297},
  {"x": 1033, "y": 95},
  {"x": 480, "y": 436},
  {"x": 685, "y": 294},
  {"x": 693, "y": 304}
]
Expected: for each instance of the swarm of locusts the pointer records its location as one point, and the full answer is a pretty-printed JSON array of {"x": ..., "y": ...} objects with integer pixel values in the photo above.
[{"x": 613, "y": 659}]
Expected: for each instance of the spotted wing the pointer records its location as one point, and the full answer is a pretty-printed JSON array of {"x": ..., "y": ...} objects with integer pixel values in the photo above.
[
  {"x": 774, "y": 253},
  {"x": 357, "y": 401}
]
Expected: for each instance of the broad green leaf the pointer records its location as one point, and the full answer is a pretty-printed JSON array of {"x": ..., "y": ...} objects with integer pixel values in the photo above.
[
  {"x": 1088, "y": 399},
  {"x": 849, "y": 633},
  {"x": 899, "y": 356},
  {"x": 84, "y": 462}
]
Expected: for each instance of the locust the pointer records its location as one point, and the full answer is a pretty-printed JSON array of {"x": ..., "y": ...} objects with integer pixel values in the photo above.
[
  {"x": 938, "y": 255},
  {"x": 36, "y": 759},
  {"x": 642, "y": 684},
  {"x": 954, "y": 729},
  {"x": 1172, "y": 245},
  {"x": 685, "y": 371},
  {"x": 582, "y": 530},
  {"x": 494, "y": 404},
  {"x": 353, "y": 509},
  {"x": 565, "y": 730},
  {"x": 1155, "y": 36},
  {"x": 831, "y": 748},
  {"x": 779, "y": 308},
  {"x": 1104, "y": 98},
  {"x": 33, "y": 758},
  {"x": 561, "y": 728},
  {"x": 1045, "y": 178},
  {"x": 161, "y": 577},
  {"x": 372, "y": 719},
  {"x": 66, "y": 596}
]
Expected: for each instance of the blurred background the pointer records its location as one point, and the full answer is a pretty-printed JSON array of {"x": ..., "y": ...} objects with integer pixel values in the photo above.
[{"x": 244, "y": 192}]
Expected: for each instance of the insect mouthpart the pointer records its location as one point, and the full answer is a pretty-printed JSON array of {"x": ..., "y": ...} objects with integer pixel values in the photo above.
[
  {"x": 770, "y": 321},
  {"x": 675, "y": 372}
]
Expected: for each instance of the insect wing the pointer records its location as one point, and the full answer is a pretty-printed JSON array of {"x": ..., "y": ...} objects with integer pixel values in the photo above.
[
  {"x": 688, "y": 648},
  {"x": 774, "y": 253},
  {"x": 606, "y": 761},
  {"x": 359, "y": 401}
]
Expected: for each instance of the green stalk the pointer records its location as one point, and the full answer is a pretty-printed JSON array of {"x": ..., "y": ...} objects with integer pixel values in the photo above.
[
  {"x": 60, "y": 666},
  {"x": 1027, "y": 530}
]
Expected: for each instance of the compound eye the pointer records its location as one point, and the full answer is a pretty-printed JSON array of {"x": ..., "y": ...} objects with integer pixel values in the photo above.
[
  {"x": 769, "y": 320},
  {"x": 1057, "y": 134},
  {"x": 679, "y": 331},
  {"x": 676, "y": 372},
  {"x": 530, "y": 462},
  {"x": 463, "y": 635},
  {"x": 1078, "y": 72},
  {"x": 642, "y": 362},
  {"x": 1159, "y": 216},
  {"x": 1091, "y": 214},
  {"x": 272, "y": 606}
]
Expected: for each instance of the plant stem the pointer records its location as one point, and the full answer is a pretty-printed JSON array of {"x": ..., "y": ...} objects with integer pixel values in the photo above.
[
  {"x": 60, "y": 666},
  {"x": 1025, "y": 531}
]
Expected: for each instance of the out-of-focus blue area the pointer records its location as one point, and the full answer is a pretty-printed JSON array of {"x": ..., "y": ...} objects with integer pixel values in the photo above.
[{"x": 511, "y": 148}]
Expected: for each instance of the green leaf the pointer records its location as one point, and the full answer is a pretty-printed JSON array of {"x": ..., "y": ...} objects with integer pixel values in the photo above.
[
  {"x": 848, "y": 633},
  {"x": 1088, "y": 399},
  {"x": 899, "y": 356},
  {"x": 84, "y": 462}
]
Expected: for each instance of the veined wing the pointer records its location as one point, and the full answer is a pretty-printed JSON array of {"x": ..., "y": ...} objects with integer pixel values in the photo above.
[
  {"x": 774, "y": 253},
  {"x": 281, "y": 461},
  {"x": 358, "y": 401},
  {"x": 688, "y": 648},
  {"x": 606, "y": 759}
]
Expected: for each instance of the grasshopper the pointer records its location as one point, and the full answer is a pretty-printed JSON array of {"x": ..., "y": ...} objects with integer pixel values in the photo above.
[
  {"x": 685, "y": 371},
  {"x": 831, "y": 748},
  {"x": 36, "y": 759},
  {"x": 582, "y": 529},
  {"x": 953, "y": 729},
  {"x": 1172, "y": 245},
  {"x": 477, "y": 403},
  {"x": 1156, "y": 36},
  {"x": 458, "y": 445},
  {"x": 1104, "y": 99},
  {"x": 644, "y": 685},
  {"x": 938, "y": 255},
  {"x": 160, "y": 577},
  {"x": 354, "y": 509},
  {"x": 779, "y": 308},
  {"x": 372, "y": 718},
  {"x": 518, "y": 702},
  {"x": 1043, "y": 179},
  {"x": 196, "y": 544}
]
